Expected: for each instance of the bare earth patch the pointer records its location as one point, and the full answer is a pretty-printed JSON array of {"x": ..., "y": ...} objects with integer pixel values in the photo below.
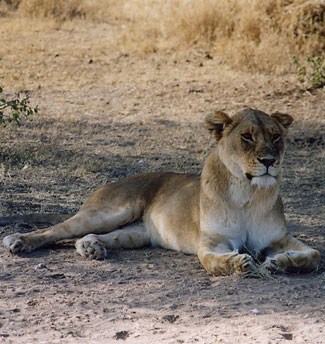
[{"x": 106, "y": 115}]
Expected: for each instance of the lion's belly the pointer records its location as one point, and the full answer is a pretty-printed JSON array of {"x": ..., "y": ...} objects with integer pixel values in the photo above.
[
  {"x": 172, "y": 221},
  {"x": 168, "y": 233}
]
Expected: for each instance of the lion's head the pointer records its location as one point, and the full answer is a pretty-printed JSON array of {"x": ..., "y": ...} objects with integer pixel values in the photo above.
[{"x": 251, "y": 143}]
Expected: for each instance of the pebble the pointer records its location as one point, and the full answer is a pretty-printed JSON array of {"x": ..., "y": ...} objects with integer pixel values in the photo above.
[
  {"x": 40, "y": 266},
  {"x": 171, "y": 318},
  {"x": 121, "y": 335}
]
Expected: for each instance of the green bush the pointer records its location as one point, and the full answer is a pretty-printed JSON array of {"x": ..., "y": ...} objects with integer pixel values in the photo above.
[
  {"x": 312, "y": 72},
  {"x": 14, "y": 109}
]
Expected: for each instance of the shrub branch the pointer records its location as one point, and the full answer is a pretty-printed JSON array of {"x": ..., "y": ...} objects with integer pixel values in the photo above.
[{"x": 13, "y": 110}]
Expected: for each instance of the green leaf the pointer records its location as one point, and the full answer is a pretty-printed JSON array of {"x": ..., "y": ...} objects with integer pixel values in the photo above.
[
  {"x": 16, "y": 108},
  {"x": 15, "y": 116}
]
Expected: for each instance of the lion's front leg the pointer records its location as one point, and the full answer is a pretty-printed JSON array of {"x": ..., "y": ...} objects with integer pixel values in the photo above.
[
  {"x": 219, "y": 259},
  {"x": 290, "y": 254}
]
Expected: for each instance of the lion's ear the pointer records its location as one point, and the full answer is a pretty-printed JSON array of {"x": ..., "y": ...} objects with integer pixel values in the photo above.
[
  {"x": 216, "y": 122},
  {"x": 283, "y": 119}
]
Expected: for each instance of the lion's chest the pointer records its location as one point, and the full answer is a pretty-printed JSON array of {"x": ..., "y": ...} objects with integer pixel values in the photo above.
[
  {"x": 240, "y": 194},
  {"x": 247, "y": 220},
  {"x": 243, "y": 229},
  {"x": 254, "y": 233}
]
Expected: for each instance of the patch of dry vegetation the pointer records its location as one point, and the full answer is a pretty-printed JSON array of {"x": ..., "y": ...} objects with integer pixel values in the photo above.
[{"x": 256, "y": 35}]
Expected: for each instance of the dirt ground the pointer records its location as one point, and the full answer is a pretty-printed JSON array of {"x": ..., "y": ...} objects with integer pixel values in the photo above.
[{"x": 107, "y": 114}]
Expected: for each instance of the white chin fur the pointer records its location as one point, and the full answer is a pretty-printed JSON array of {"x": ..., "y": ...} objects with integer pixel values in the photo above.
[{"x": 263, "y": 181}]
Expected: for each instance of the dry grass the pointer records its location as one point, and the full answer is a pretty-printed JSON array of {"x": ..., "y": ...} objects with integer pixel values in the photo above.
[{"x": 256, "y": 35}]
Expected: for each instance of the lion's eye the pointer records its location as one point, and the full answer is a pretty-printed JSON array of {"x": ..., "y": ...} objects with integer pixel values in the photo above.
[
  {"x": 247, "y": 137},
  {"x": 276, "y": 138}
]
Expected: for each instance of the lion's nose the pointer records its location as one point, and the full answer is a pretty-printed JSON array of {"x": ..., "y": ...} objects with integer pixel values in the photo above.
[{"x": 267, "y": 162}]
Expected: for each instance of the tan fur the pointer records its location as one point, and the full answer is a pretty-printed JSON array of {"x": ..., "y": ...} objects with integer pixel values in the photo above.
[{"x": 231, "y": 210}]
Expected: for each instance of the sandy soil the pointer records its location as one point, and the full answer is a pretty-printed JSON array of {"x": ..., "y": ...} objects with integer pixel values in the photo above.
[{"x": 105, "y": 115}]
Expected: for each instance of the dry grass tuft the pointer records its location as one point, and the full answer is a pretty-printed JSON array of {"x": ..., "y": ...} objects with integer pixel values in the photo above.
[
  {"x": 254, "y": 35},
  {"x": 58, "y": 9}
]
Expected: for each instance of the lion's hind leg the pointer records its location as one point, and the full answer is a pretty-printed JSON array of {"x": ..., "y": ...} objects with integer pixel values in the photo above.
[
  {"x": 97, "y": 246},
  {"x": 27, "y": 242},
  {"x": 84, "y": 222}
]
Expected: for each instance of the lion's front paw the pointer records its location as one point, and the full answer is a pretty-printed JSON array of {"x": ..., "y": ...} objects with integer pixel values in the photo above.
[
  {"x": 17, "y": 243},
  {"x": 243, "y": 264},
  {"x": 228, "y": 263},
  {"x": 267, "y": 268},
  {"x": 91, "y": 247}
]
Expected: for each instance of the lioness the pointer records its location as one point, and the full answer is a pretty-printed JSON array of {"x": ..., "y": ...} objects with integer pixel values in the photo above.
[{"x": 231, "y": 210}]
